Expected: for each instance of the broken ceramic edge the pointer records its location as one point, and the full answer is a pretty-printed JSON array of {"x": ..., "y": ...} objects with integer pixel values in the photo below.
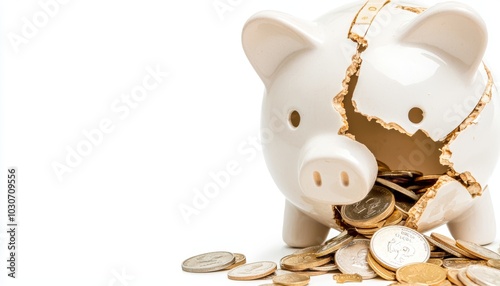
[
  {"x": 415, "y": 213},
  {"x": 466, "y": 178}
]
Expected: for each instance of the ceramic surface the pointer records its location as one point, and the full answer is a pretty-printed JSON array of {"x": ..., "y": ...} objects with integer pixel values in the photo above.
[{"x": 381, "y": 81}]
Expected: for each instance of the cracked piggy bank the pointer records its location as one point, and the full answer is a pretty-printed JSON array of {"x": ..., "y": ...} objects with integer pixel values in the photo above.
[{"x": 378, "y": 82}]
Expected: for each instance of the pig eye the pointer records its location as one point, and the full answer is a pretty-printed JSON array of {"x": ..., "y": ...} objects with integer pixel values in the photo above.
[
  {"x": 294, "y": 118},
  {"x": 416, "y": 115}
]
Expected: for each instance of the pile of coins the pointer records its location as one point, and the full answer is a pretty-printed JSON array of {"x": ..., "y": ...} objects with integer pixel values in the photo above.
[
  {"x": 375, "y": 243},
  {"x": 388, "y": 203},
  {"x": 394, "y": 253}
]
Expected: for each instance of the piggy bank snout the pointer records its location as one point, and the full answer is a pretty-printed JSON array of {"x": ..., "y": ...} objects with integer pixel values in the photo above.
[{"x": 336, "y": 170}]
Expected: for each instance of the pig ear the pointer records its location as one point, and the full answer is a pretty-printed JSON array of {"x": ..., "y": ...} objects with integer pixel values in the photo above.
[
  {"x": 451, "y": 28},
  {"x": 270, "y": 38}
]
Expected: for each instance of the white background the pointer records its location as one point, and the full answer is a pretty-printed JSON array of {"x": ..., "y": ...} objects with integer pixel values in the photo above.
[{"x": 113, "y": 218}]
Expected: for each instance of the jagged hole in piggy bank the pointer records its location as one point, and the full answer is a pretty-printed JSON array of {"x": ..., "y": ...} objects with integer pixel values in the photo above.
[{"x": 363, "y": 85}]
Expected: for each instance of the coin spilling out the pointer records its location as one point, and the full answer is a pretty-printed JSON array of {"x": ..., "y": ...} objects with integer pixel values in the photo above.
[
  {"x": 395, "y": 246},
  {"x": 352, "y": 259},
  {"x": 239, "y": 259},
  {"x": 208, "y": 262},
  {"x": 252, "y": 271},
  {"x": 379, "y": 209}
]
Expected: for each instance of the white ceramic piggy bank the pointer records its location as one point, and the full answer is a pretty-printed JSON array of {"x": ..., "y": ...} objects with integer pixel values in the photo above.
[{"x": 377, "y": 81}]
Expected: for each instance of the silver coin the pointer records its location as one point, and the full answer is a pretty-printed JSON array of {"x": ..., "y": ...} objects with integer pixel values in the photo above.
[
  {"x": 208, "y": 262},
  {"x": 462, "y": 276},
  {"x": 252, "y": 271},
  {"x": 352, "y": 259},
  {"x": 396, "y": 246},
  {"x": 484, "y": 275}
]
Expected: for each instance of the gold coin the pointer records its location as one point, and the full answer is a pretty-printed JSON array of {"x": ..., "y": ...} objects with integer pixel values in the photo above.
[
  {"x": 394, "y": 218},
  {"x": 477, "y": 250},
  {"x": 398, "y": 188},
  {"x": 427, "y": 180},
  {"x": 437, "y": 261},
  {"x": 298, "y": 262},
  {"x": 239, "y": 259},
  {"x": 325, "y": 268},
  {"x": 381, "y": 271},
  {"x": 460, "y": 263},
  {"x": 252, "y": 271},
  {"x": 310, "y": 249},
  {"x": 334, "y": 244},
  {"x": 383, "y": 167},
  {"x": 448, "y": 244},
  {"x": 452, "y": 275},
  {"x": 292, "y": 279},
  {"x": 343, "y": 278},
  {"x": 375, "y": 207},
  {"x": 367, "y": 231},
  {"x": 425, "y": 273},
  {"x": 495, "y": 263}
]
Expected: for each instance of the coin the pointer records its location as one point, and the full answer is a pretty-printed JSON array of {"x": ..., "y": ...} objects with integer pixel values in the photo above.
[
  {"x": 298, "y": 262},
  {"x": 404, "y": 206},
  {"x": 438, "y": 262},
  {"x": 381, "y": 271},
  {"x": 208, "y": 262},
  {"x": 460, "y": 263},
  {"x": 450, "y": 243},
  {"x": 445, "y": 246},
  {"x": 425, "y": 273},
  {"x": 334, "y": 244},
  {"x": 484, "y": 275},
  {"x": 310, "y": 249},
  {"x": 398, "y": 188},
  {"x": 382, "y": 167},
  {"x": 427, "y": 180},
  {"x": 452, "y": 275},
  {"x": 292, "y": 279},
  {"x": 327, "y": 267},
  {"x": 395, "y": 246},
  {"x": 252, "y": 271},
  {"x": 351, "y": 259},
  {"x": 394, "y": 218},
  {"x": 462, "y": 276},
  {"x": 495, "y": 263},
  {"x": 376, "y": 206},
  {"x": 239, "y": 259},
  {"x": 477, "y": 250}
]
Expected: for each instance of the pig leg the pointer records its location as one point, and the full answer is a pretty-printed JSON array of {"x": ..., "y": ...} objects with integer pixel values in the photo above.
[
  {"x": 477, "y": 224},
  {"x": 300, "y": 230}
]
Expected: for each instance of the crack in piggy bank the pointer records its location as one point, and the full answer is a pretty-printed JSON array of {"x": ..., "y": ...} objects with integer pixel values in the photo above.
[{"x": 467, "y": 179}]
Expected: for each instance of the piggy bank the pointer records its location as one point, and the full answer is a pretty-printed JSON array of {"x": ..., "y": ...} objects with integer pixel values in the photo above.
[{"x": 377, "y": 82}]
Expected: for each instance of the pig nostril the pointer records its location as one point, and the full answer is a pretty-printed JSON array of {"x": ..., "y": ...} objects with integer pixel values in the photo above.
[
  {"x": 317, "y": 178},
  {"x": 344, "y": 178}
]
